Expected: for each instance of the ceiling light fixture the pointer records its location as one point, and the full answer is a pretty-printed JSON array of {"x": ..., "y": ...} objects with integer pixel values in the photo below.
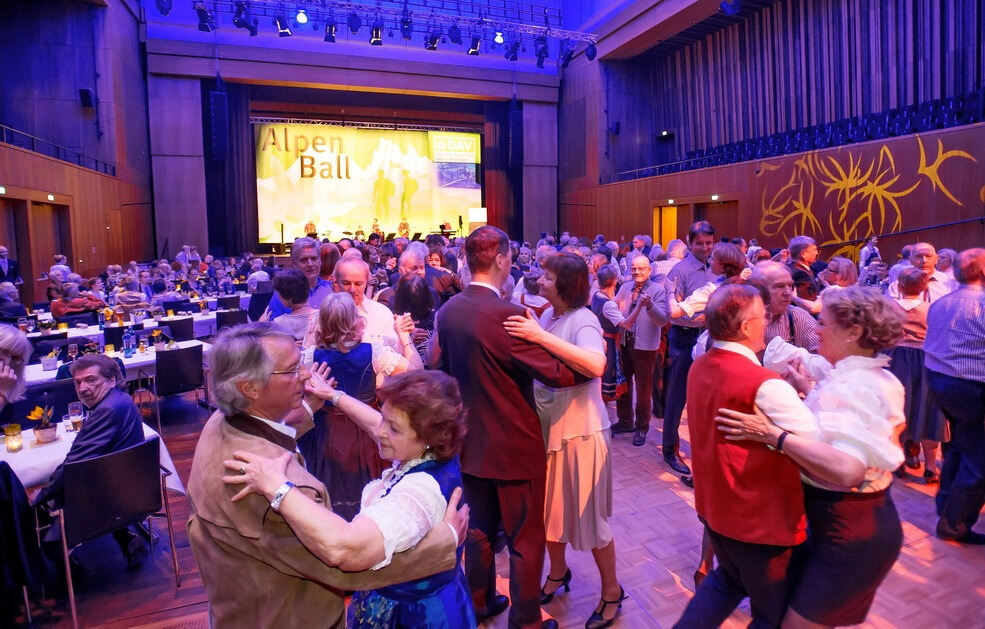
[
  {"x": 331, "y": 30},
  {"x": 511, "y": 53},
  {"x": 354, "y": 22},
  {"x": 206, "y": 21},
  {"x": 714, "y": 197},
  {"x": 283, "y": 26},
  {"x": 499, "y": 37},
  {"x": 431, "y": 43},
  {"x": 376, "y": 35},
  {"x": 541, "y": 50},
  {"x": 591, "y": 51},
  {"x": 455, "y": 34},
  {"x": 244, "y": 19},
  {"x": 474, "y": 46}
]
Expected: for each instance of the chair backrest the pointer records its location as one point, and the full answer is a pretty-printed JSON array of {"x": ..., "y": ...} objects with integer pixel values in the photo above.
[
  {"x": 183, "y": 305},
  {"x": 148, "y": 333},
  {"x": 53, "y": 336},
  {"x": 227, "y": 318},
  {"x": 40, "y": 306},
  {"x": 264, "y": 286},
  {"x": 57, "y": 394},
  {"x": 45, "y": 347},
  {"x": 182, "y": 329},
  {"x": 13, "y": 320},
  {"x": 258, "y": 303},
  {"x": 108, "y": 492},
  {"x": 88, "y": 318},
  {"x": 228, "y": 302},
  {"x": 178, "y": 370}
]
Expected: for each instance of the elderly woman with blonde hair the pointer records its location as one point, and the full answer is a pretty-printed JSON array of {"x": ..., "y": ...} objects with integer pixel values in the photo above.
[
  {"x": 858, "y": 404},
  {"x": 15, "y": 352},
  {"x": 338, "y": 453},
  {"x": 840, "y": 273}
]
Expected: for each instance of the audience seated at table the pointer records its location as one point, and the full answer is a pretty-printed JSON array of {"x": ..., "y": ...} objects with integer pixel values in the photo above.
[
  {"x": 113, "y": 425},
  {"x": 163, "y": 294},
  {"x": 10, "y": 305},
  {"x": 15, "y": 353},
  {"x": 72, "y": 302}
]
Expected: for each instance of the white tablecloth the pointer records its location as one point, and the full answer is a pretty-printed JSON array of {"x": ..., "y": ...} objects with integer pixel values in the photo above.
[
  {"x": 137, "y": 366},
  {"x": 34, "y": 464},
  {"x": 204, "y": 326}
]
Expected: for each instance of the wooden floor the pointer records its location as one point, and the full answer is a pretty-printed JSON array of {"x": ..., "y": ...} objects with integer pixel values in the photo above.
[{"x": 657, "y": 536}]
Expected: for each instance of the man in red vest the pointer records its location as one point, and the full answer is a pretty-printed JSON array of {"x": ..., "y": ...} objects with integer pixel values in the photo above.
[{"x": 748, "y": 496}]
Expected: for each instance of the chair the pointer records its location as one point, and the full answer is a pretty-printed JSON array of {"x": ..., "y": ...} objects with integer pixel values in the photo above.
[
  {"x": 259, "y": 303},
  {"x": 57, "y": 394},
  {"x": 108, "y": 492},
  {"x": 88, "y": 318},
  {"x": 13, "y": 320},
  {"x": 229, "y": 302},
  {"x": 40, "y": 306},
  {"x": 177, "y": 371},
  {"x": 113, "y": 335},
  {"x": 182, "y": 329},
  {"x": 264, "y": 286},
  {"x": 227, "y": 318},
  {"x": 183, "y": 305},
  {"x": 46, "y": 346},
  {"x": 146, "y": 334},
  {"x": 53, "y": 336}
]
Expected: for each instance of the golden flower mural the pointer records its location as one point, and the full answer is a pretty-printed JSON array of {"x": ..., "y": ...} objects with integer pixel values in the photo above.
[{"x": 844, "y": 195}]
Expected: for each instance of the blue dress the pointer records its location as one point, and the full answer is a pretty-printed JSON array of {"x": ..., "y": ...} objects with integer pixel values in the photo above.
[
  {"x": 336, "y": 451},
  {"x": 439, "y": 601}
]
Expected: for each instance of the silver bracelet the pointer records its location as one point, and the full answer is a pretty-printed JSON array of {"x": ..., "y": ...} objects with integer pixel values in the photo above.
[
  {"x": 279, "y": 495},
  {"x": 338, "y": 396}
]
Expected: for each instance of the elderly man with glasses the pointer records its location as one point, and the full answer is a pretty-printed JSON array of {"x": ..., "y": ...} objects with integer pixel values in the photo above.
[{"x": 256, "y": 571}]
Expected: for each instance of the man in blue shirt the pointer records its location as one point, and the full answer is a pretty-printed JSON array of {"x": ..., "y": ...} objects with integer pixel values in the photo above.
[{"x": 306, "y": 258}]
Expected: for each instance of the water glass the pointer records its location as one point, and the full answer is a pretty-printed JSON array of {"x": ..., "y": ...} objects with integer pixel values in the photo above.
[{"x": 76, "y": 409}]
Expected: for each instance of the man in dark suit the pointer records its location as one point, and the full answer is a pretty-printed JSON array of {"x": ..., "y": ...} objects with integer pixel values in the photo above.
[
  {"x": 9, "y": 306},
  {"x": 503, "y": 460},
  {"x": 10, "y": 270},
  {"x": 113, "y": 425}
]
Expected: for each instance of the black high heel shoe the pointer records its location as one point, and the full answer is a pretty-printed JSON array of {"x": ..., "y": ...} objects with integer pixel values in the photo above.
[
  {"x": 598, "y": 620},
  {"x": 565, "y": 581}
]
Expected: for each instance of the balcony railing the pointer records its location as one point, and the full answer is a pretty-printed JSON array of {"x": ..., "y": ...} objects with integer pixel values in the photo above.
[{"x": 9, "y": 135}]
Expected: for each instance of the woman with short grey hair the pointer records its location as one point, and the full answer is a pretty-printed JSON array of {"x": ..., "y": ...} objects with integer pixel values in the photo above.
[{"x": 15, "y": 352}]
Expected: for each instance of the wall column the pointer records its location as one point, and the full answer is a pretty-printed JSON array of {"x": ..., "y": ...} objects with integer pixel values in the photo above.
[
  {"x": 178, "y": 163},
  {"x": 539, "y": 169}
]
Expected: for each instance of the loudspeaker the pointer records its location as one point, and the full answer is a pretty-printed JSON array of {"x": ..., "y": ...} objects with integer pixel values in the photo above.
[
  {"x": 87, "y": 97},
  {"x": 218, "y": 125},
  {"x": 514, "y": 153}
]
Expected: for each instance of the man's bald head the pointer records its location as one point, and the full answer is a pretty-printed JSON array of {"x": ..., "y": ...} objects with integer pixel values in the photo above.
[
  {"x": 923, "y": 256},
  {"x": 778, "y": 281}
]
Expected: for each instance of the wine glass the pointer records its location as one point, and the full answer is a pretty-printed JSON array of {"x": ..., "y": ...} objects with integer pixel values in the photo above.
[
  {"x": 73, "y": 350},
  {"x": 31, "y": 325},
  {"x": 22, "y": 324}
]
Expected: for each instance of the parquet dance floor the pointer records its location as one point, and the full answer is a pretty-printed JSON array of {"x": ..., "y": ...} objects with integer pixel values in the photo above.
[{"x": 657, "y": 537}]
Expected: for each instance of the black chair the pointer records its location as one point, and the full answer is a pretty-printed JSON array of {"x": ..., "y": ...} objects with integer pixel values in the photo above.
[
  {"x": 259, "y": 303},
  {"x": 113, "y": 335},
  {"x": 46, "y": 346},
  {"x": 149, "y": 333},
  {"x": 40, "y": 306},
  {"x": 177, "y": 371},
  {"x": 108, "y": 492},
  {"x": 264, "y": 286},
  {"x": 229, "y": 302},
  {"x": 182, "y": 329},
  {"x": 57, "y": 394},
  {"x": 88, "y": 318},
  {"x": 13, "y": 320},
  {"x": 177, "y": 305},
  {"x": 227, "y": 318},
  {"x": 54, "y": 336},
  {"x": 241, "y": 287}
]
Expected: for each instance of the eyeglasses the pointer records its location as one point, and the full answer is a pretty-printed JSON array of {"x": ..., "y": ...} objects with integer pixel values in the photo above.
[{"x": 285, "y": 372}]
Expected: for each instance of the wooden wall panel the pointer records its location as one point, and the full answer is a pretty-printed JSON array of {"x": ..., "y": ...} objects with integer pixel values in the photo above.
[
  {"x": 905, "y": 186},
  {"x": 93, "y": 200}
]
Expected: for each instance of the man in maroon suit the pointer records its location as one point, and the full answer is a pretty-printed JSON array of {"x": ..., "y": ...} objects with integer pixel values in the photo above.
[{"x": 503, "y": 461}]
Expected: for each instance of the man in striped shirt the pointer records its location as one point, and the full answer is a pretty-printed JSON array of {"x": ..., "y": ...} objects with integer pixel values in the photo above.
[{"x": 953, "y": 352}]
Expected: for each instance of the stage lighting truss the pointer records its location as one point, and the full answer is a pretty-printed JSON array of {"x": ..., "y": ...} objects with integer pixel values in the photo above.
[{"x": 393, "y": 15}]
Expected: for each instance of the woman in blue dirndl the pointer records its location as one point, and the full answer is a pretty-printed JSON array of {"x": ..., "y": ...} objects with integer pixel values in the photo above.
[{"x": 420, "y": 429}]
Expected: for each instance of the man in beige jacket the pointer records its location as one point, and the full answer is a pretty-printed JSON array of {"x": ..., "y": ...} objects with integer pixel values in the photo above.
[{"x": 255, "y": 571}]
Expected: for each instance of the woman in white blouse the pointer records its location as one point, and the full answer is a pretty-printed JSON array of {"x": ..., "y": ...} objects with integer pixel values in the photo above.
[
  {"x": 726, "y": 262},
  {"x": 855, "y": 531},
  {"x": 421, "y": 429}
]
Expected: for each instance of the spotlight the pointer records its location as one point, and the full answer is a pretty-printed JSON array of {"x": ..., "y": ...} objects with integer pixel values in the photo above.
[
  {"x": 714, "y": 197},
  {"x": 164, "y": 6},
  {"x": 331, "y": 29},
  {"x": 541, "y": 50},
  {"x": 567, "y": 52},
  {"x": 670, "y": 202},
  {"x": 376, "y": 35},
  {"x": 3, "y": 190},
  {"x": 499, "y": 37},
  {"x": 455, "y": 34},
  {"x": 206, "y": 21},
  {"x": 301, "y": 17},
  {"x": 511, "y": 52},
  {"x": 474, "y": 46},
  {"x": 666, "y": 136},
  {"x": 283, "y": 26},
  {"x": 406, "y": 27},
  {"x": 244, "y": 19},
  {"x": 591, "y": 51},
  {"x": 354, "y": 22},
  {"x": 431, "y": 43},
  {"x": 51, "y": 197}
]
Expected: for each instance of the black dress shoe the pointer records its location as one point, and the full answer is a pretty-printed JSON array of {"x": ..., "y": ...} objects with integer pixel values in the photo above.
[
  {"x": 550, "y": 623},
  {"x": 497, "y": 606},
  {"x": 971, "y": 537},
  {"x": 688, "y": 481},
  {"x": 639, "y": 438},
  {"x": 619, "y": 428},
  {"x": 675, "y": 463}
]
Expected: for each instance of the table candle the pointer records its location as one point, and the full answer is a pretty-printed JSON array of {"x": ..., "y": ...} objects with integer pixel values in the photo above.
[{"x": 15, "y": 440}]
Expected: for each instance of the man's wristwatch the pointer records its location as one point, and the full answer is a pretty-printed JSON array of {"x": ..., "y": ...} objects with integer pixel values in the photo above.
[{"x": 279, "y": 495}]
